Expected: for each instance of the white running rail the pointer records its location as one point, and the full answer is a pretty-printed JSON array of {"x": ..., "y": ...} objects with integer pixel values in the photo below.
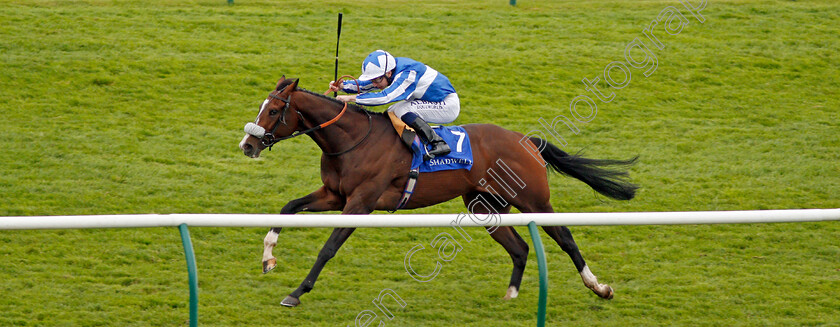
[{"x": 420, "y": 220}]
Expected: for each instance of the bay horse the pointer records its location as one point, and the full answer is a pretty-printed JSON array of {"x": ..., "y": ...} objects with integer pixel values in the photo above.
[{"x": 364, "y": 167}]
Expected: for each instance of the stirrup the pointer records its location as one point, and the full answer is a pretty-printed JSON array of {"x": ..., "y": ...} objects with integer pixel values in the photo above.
[{"x": 439, "y": 148}]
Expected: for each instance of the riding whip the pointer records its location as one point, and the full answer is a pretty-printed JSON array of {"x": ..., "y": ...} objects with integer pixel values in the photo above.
[{"x": 337, "y": 39}]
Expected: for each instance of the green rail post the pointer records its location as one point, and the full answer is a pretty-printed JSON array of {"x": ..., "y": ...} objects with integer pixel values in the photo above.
[
  {"x": 191, "y": 270},
  {"x": 538, "y": 248}
]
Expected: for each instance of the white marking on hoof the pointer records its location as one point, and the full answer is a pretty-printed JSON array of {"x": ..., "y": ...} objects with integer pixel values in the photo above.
[
  {"x": 512, "y": 293},
  {"x": 589, "y": 279},
  {"x": 269, "y": 262},
  {"x": 269, "y": 242},
  {"x": 609, "y": 294},
  {"x": 269, "y": 265}
]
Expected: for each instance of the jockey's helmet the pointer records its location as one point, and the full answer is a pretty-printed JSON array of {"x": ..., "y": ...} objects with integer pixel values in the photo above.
[{"x": 377, "y": 64}]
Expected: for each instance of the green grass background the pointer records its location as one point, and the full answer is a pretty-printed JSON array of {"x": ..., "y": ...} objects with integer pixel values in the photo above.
[{"x": 128, "y": 107}]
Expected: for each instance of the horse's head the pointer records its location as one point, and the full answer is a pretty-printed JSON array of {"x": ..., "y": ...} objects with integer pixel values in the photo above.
[{"x": 277, "y": 119}]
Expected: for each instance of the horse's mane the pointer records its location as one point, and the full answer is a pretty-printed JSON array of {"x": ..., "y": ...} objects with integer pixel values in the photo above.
[
  {"x": 289, "y": 81},
  {"x": 339, "y": 102}
]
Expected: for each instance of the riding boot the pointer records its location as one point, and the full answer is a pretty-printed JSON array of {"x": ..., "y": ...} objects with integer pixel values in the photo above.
[{"x": 428, "y": 136}]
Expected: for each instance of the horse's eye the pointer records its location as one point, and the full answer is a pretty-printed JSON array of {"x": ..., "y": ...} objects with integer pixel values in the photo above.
[{"x": 273, "y": 112}]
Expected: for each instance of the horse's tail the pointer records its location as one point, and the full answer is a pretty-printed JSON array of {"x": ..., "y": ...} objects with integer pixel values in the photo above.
[{"x": 609, "y": 182}]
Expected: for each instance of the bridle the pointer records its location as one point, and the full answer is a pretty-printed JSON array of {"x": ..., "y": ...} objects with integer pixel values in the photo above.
[{"x": 268, "y": 139}]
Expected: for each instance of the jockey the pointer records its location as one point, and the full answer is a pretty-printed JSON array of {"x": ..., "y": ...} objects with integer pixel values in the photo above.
[{"x": 420, "y": 94}]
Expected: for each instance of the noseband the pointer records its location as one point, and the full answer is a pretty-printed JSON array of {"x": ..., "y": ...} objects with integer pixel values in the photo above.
[{"x": 268, "y": 139}]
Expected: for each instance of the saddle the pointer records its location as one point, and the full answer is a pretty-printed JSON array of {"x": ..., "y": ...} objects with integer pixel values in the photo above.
[
  {"x": 460, "y": 158},
  {"x": 405, "y": 132}
]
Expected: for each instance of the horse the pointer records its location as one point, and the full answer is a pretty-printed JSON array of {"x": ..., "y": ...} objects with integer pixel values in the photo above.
[{"x": 364, "y": 167}]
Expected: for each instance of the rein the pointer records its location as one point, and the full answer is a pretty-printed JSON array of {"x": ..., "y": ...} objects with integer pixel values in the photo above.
[
  {"x": 269, "y": 140},
  {"x": 273, "y": 140},
  {"x": 370, "y": 123},
  {"x": 338, "y": 82},
  {"x": 370, "y": 128}
]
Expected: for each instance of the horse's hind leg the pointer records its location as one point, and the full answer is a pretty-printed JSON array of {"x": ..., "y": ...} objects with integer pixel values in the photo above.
[
  {"x": 508, "y": 238},
  {"x": 518, "y": 250},
  {"x": 564, "y": 238}
]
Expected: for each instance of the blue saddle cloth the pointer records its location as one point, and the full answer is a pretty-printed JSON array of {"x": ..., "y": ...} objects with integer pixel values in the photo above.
[{"x": 461, "y": 156}]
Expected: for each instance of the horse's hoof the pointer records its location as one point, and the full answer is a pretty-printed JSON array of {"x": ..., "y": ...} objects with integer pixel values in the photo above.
[
  {"x": 290, "y": 302},
  {"x": 512, "y": 293},
  {"x": 607, "y": 294},
  {"x": 269, "y": 265}
]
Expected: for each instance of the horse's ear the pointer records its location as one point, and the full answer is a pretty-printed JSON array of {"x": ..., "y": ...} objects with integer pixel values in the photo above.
[
  {"x": 280, "y": 81},
  {"x": 294, "y": 84}
]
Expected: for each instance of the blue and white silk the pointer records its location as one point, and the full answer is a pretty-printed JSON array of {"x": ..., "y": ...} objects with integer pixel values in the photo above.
[{"x": 412, "y": 80}]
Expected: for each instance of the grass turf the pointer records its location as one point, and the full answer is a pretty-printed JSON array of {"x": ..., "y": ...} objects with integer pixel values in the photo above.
[{"x": 137, "y": 107}]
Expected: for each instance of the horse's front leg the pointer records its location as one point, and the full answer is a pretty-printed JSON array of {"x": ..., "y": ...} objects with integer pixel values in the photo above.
[
  {"x": 360, "y": 205},
  {"x": 320, "y": 200}
]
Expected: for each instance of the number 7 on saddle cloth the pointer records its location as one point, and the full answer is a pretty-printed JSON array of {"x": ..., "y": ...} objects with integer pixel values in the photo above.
[{"x": 461, "y": 156}]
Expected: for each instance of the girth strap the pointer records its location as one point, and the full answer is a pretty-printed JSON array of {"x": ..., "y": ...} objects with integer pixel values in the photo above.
[{"x": 409, "y": 188}]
